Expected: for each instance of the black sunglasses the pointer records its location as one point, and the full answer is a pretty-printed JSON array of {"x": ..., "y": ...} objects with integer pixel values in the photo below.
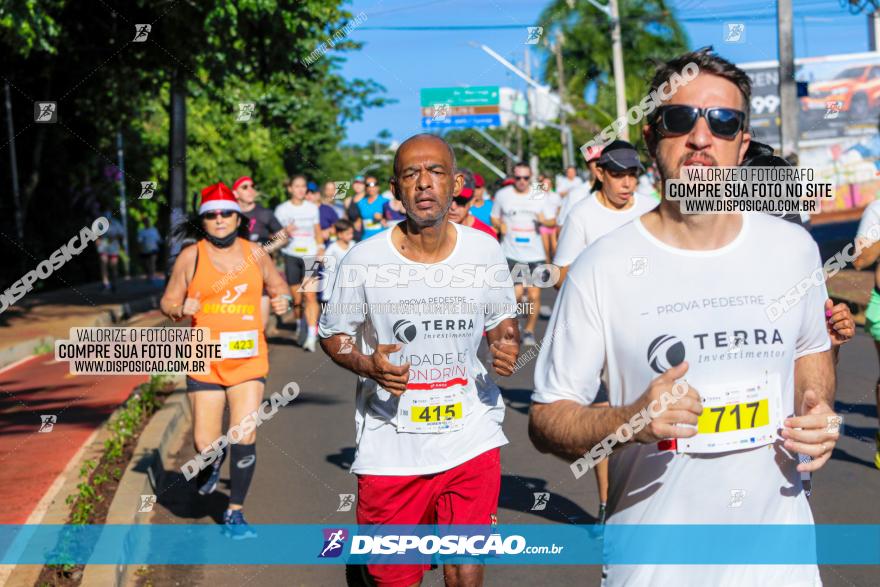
[
  {"x": 461, "y": 201},
  {"x": 214, "y": 214},
  {"x": 679, "y": 119},
  {"x": 525, "y": 177}
]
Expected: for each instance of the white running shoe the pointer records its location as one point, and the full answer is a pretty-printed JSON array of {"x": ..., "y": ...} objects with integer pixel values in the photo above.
[{"x": 310, "y": 344}]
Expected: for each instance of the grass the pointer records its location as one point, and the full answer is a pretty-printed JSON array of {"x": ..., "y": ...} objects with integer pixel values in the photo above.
[{"x": 97, "y": 474}]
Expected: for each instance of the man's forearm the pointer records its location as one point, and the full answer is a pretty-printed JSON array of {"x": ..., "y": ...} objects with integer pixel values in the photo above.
[
  {"x": 569, "y": 430},
  {"x": 352, "y": 360},
  {"x": 816, "y": 372}
]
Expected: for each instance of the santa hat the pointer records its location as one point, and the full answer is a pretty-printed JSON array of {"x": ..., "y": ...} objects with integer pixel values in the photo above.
[{"x": 218, "y": 197}]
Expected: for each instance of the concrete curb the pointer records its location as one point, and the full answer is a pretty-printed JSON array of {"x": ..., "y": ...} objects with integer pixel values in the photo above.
[
  {"x": 57, "y": 510},
  {"x": 143, "y": 476},
  {"x": 128, "y": 492},
  {"x": 113, "y": 315}
]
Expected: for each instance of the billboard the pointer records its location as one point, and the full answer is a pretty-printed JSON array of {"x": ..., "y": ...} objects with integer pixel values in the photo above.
[{"x": 843, "y": 98}]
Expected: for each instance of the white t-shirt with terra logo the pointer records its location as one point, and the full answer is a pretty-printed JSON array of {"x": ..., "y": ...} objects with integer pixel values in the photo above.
[
  {"x": 304, "y": 217},
  {"x": 452, "y": 410},
  {"x": 636, "y": 306},
  {"x": 520, "y": 213}
]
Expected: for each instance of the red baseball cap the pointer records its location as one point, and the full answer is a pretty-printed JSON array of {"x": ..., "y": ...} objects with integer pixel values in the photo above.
[
  {"x": 466, "y": 193},
  {"x": 240, "y": 181},
  {"x": 479, "y": 181}
]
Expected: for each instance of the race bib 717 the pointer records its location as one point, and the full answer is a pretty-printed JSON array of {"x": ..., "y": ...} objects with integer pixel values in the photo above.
[{"x": 737, "y": 416}]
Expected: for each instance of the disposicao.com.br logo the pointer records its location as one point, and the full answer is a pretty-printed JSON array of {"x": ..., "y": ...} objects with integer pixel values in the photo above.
[
  {"x": 476, "y": 545},
  {"x": 419, "y": 544}
]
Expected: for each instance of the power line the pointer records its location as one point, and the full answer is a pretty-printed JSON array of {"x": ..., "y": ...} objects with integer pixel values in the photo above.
[
  {"x": 402, "y": 8},
  {"x": 477, "y": 27}
]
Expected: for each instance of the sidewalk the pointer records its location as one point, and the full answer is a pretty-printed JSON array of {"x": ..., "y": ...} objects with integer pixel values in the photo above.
[
  {"x": 40, "y": 318},
  {"x": 35, "y": 458}
]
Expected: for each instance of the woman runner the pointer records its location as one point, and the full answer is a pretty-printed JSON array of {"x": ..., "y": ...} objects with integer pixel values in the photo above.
[{"x": 218, "y": 283}]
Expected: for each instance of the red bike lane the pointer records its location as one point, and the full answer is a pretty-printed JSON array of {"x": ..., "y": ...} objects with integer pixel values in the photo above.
[{"x": 34, "y": 453}]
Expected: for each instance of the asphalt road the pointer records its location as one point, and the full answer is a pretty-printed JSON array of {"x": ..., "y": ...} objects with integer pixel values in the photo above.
[{"x": 304, "y": 453}]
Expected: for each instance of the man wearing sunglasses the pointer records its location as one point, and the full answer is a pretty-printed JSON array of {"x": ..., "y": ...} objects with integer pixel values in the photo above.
[
  {"x": 674, "y": 306},
  {"x": 516, "y": 215},
  {"x": 370, "y": 208},
  {"x": 262, "y": 225},
  {"x": 264, "y": 228}
]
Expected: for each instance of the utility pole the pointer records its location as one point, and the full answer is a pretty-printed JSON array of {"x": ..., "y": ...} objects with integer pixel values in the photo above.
[
  {"x": 619, "y": 78},
  {"x": 560, "y": 84},
  {"x": 123, "y": 203},
  {"x": 176, "y": 161},
  {"x": 788, "y": 100},
  {"x": 874, "y": 30},
  {"x": 13, "y": 172},
  {"x": 612, "y": 12},
  {"x": 534, "y": 162}
]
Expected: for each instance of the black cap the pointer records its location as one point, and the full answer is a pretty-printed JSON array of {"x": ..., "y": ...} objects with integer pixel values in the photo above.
[{"x": 620, "y": 156}]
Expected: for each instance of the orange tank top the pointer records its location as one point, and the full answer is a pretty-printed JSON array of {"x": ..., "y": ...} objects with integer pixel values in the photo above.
[{"x": 230, "y": 307}]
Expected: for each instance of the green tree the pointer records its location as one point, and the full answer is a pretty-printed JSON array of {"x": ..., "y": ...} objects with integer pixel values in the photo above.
[
  {"x": 223, "y": 53},
  {"x": 29, "y": 25},
  {"x": 649, "y": 33}
]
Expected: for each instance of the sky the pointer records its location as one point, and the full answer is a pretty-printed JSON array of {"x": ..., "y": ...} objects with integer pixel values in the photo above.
[{"x": 405, "y": 61}]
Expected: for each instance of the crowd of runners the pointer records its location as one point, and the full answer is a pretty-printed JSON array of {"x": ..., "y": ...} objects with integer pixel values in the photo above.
[{"x": 649, "y": 298}]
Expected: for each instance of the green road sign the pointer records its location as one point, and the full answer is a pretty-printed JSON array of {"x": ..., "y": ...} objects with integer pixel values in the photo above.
[{"x": 472, "y": 96}]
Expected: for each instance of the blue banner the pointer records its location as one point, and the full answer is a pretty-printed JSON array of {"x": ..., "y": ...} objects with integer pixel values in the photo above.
[{"x": 536, "y": 544}]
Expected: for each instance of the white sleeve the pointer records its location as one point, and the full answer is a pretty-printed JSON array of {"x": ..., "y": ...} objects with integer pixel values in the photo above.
[
  {"x": 346, "y": 311},
  {"x": 869, "y": 226},
  {"x": 573, "y": 350},
  {"x": 572, "y": 241},
  {"x": 496, "y": 208},
  {"x": 813, "y": 334},
  {"x": 501, "y": 301},
  {"x": 570, "y": 201},
  {"x": 279, "y": 214}
]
